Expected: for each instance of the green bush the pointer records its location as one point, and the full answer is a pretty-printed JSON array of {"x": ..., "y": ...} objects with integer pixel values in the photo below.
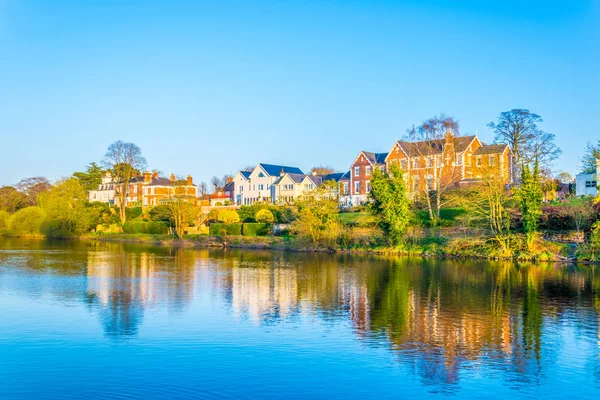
[
  {"x": 26, "y": 221},
  {"x": 4, "y": 218},
  {"x": 217, "y": 229},
  {"x": 134, "y": 227},
  {"x": 265, "y": 216},
  {"x": 160, "y": 213},
  {"x": 157, "y": 227},
  {"x": 133, "y": 212},
  {"x": 256, "y": 229},
  {"x": 228, "y": 216}
]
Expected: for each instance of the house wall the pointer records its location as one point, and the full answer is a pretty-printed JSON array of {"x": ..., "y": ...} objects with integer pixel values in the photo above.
[
  {"x": 586, "y": 185},
  {"x": 259, "y": 187}
]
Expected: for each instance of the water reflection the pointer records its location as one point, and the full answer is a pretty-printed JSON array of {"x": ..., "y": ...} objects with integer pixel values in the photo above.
[{"x": 439, "y": 318}]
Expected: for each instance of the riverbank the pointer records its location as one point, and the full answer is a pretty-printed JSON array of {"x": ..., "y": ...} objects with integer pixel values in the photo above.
[{"x": 469, "y": 248}]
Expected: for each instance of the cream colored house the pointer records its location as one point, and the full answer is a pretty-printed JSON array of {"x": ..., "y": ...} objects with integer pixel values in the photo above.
[
  {"x": 291, "y": 186},
  {"x": 259, "y": 183}
]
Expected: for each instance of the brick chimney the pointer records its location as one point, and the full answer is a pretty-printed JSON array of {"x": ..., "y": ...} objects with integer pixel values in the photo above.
[
  {"x": 449, "y": 136},
  {"x": 190, "y": 181},
  {"x": 155, "y": 174},
  {"x": 282, "y": 173},
  {"x": 147, "y": 177},
  {"x": 229, "y": 179},
  {"x": 172, "y": 177},
  {"x": 314, "y": 172}
]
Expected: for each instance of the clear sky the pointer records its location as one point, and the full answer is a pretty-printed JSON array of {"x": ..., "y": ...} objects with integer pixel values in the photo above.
[{"x": 208, "y": 87}]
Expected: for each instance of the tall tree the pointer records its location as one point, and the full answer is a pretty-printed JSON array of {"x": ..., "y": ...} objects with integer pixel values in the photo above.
[
  {"x": 390, "y": 203},
  {"x": 123, "y": 160},
  {"x": 591, "y": 157},
  {"x": 203, "y": 188},
  {"x": 317, "y": 214},
  {"x": 519, "y": 129},
  {"x": 216, "y": 183},
  {"x": 11, "y": 199},
  {"x": 91, "y": 178},
  {"x": 65, "y": 209},
  {"x": 429, "y": 148},
  {"x": 530, "y": 196},
  {"x": 33, "y": 187},
  {"x": 181, "y": 205}
]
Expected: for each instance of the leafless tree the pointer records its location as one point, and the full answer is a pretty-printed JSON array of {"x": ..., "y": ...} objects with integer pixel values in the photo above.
[
  {"x": 203, "y": 188},
  {"x": 323, "y": 170},
  {"x": 33, "y": 187},
  {"x": 124, "y": 161}
]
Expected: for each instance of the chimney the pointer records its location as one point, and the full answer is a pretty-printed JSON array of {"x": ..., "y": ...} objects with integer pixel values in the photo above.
[
  {"x": 314, "y": 172},
  {"x": 449, "y": 135},
  {"x": 190, "y": 181},
  {"x": 229, "y": 179},
  {"x": 147, "y": 177},
  {"x": 155, "y": 174},
  {"x": 282, "y": 173},
  {"x": 172, "y": 177}
]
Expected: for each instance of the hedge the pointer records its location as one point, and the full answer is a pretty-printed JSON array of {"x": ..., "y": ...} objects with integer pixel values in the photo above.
[
  {"x": 257, "y": 229},
  {"x": 134, "y": 227},
  {"x": 157, "y": 228},
  {"x": 133, "y": 212},
  {"x": 216, "y": 229}
]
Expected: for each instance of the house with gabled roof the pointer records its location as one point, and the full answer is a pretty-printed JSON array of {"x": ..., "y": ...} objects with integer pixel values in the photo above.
[
  {"x": 258, "y": 184},
  {"x": 290, "y": 186},
  {"x": 361, "y": 171},
  {"x": 241, "y": 185}
]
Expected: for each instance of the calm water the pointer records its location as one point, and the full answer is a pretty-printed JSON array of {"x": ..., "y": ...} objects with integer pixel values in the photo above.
[{"x": 99, "y": 320}]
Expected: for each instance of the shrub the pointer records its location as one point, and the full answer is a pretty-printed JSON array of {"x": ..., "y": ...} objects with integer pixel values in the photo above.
[
  {"x": 218, "y": 229},
  {"x": 26, "y": 221},
  {"x": 213, "y": 216},
  {"x": 228, "y": 216},
  {"x": 218, "y": 204},
  {"x": 4, "y": 218},
  {"x": 134, "y": 227},
  {"x": 160, "y": 213},
  {"x": 133, "y": 212},
  {"x": 157, "y": 227},
  {"x": 265, "y": 216},
  {"x": 256, "y": 229}
]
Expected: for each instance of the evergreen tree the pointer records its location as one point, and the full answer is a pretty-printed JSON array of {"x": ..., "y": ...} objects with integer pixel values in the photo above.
[
  {"x": 390, "y": 203},
  {"x": 91, "y": 178},
  {"x": 530, "y": 197}
]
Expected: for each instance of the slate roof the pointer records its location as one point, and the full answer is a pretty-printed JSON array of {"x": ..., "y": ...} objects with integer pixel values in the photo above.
[
  {"x": 491, "y": 149},
  {"x": 345, "y": 176},
  {"x": 246, "y": 174},
  {"x": 229, "y": 187},
  {"x": 431, "y": 147},
  {"x": 375, "y": 158},
  {"x": 275, "y": 170},
  {"x": 296, "y": 178},
  {"x": 336, "y": 176}
]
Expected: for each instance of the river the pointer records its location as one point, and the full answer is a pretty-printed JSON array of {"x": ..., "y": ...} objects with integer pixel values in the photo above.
[{"x": 109, "y": 320}]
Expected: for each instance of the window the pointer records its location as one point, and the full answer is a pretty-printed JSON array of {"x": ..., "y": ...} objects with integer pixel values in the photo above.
[
  {"x": 368, "y": 170},
  {"x": 416, "y": 183},
  {"x": 458, "y": 159},
  {"x": 356, "y": 187},
  {"x": 241, "y": 189},
  {"x": 356, "y": 171},
  {"x": 430, "y": 162},
  {"x": 439, "y": 161},
  {"x": 468, "y": 161},
  {"x": 403, "y": 164},
  {"x": 591, "y": 184},
  {"x": 345, "y": 187},
  {"x": 368, "y": 185},
  {"x": 492, "y": 160},
  {"x": 478, "y": 161},
  {"x": 415, "y": 163},
  {"x": 382, "y": 168},
  {"x": 429, "y": 182},
  {"x": 261, "y": 175}
]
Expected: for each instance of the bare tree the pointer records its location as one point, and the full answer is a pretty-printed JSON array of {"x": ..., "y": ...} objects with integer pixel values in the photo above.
[
  {"x": 432, "y": 151},
  {"x": 124, "y": 161},
  {"x": 565, "y": 177},
  {"x": 203, "y": 188},
  {"x": 33, "y": 187},
  {"x": 216, "y": 183},
  {"x": 323, "y": 170},
  {"x": 519, "y": 129}
]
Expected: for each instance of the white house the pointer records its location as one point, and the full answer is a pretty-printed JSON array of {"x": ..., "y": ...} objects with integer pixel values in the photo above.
[
  {"x": 241, "y": 185},
  {"x": 587, "y": 184},
  {"x": 290, "y": 186},
  {"x": 258, "y": 184},
  {"x": 105, "y": 192}
]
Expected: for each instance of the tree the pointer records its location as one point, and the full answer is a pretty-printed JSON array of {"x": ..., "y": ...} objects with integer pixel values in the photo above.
[
  {"x": 390, "y": 203},
  {"x": 91, "y": 178},
  {"x": 181, "y": 205},
  {"x": 11, "y": 199},
  {"x": 216, "y": 183},
  {"x": 433, "y": 146},
  {"x": 203, "y": 188},
  {"x": 65, "y": 209},
  {"x": 124, "y": 161},
  {"x": 582, "y": 212},
  {"x": 228, "y": 216},
  {"x": 317, "y": 214},
  {"x": 323, "y": 170},
  {"x": 530, "y": 197},
  {"x": 27, "y": 221},
  {"x": 591, "y": 157},
  {"x": 519, "y": 129},
  {"x": 32, "y": 188},
  {"x": 265, "y": 216},
  {"x": 565, "y": 177},
  {"x": 4, "y": 220}
]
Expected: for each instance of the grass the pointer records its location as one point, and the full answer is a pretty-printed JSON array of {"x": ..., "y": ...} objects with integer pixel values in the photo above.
[{"x": 361, "y": 219}]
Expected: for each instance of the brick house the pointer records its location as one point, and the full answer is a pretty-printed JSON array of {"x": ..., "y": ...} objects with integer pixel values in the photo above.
[
  {"x": 451, "y": 161},
  {"x": 359, "y": 177}
]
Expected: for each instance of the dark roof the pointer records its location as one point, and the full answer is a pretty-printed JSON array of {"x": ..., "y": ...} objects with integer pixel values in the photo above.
[
  {"x": 491, "y": 149},
  {"x": 345, "y": 176},
  {"x": 336, "y": 176},
  {"x": 230, "y": 187},
  {"x": 275, "y": 170},
  {"x": 375, "y": 158},
  {"x": 246, "y": 174},
  {"x": 296, "y": 178},
  {"x": 431, "y": 147}
]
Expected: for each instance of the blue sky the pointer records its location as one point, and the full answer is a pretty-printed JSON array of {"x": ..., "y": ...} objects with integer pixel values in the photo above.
[{"x": 209, "y": 87}]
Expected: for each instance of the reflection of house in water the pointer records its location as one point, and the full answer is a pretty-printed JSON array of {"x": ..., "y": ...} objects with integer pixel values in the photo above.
[
  {"x": 123, "y": 284},
  {"x": 264, "y": 294}
]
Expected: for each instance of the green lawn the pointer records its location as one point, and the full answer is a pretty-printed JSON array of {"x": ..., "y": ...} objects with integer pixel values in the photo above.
[{"x": 363, "y": 219}]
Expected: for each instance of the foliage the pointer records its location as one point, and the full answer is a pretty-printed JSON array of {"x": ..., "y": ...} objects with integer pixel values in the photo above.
[
  {"x": 65, "y": 208},
  {"x": 26, "y": 221},
  {"x": 591, "y": 157},
  {"x": 4, "y": 220},
  {"x": 228, "y": 216},
  {"x": 160, "y": 213},
  {"x": 317, "y": 215},
  {"x": 281, "y": 214},
  {"x": 11, "y": 199},
  {"x": 530, "y": 197},
  {"x": 132, "y": 227},
  {"x": 32, "y": 188},
  {"x": 322, "y": 170},
  {"x": 124, "y": 161},
  {"x": 219, "y": 229},
  {"x": 265, "y": 216},
  {"x": 99, "y": 214},
  {"x": 157, "y": 227},
  {"x": 256, "y": 229},
  {"x": 519, "y": 129},
  {"x": 133, "y": 212},
  {"x": 182, "y": 209},
  {"x": 91, "y": 178},
  {"x": 576, "y": 213},
  {"x": 390, "y": 203}
]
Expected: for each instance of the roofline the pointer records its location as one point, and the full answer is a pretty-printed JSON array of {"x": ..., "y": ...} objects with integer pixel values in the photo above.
[{"x": 401, "y": 148}]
